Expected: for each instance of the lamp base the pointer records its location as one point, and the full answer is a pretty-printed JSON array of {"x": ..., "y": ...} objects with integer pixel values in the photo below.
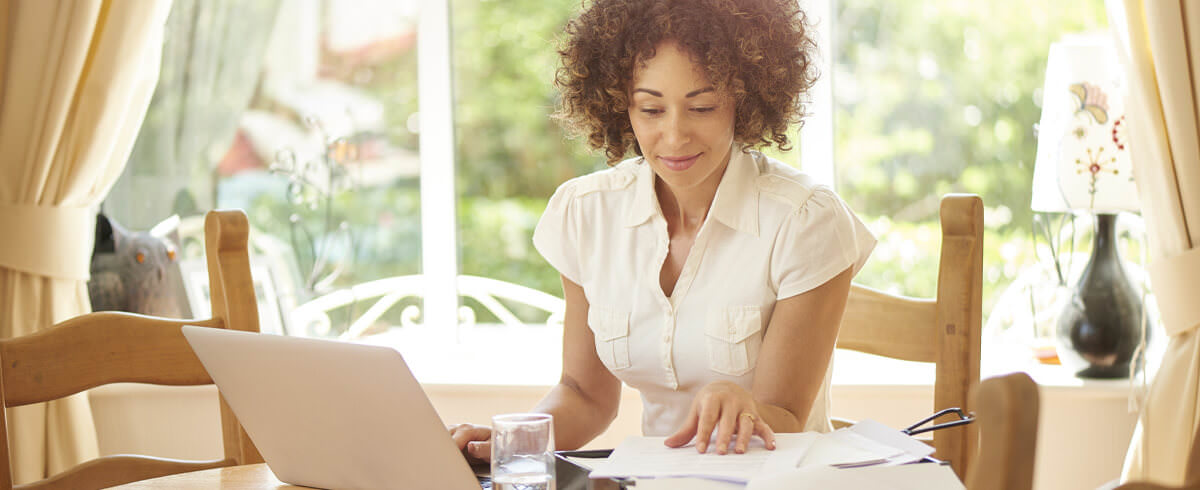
[{"x": 1100, "y": 327}]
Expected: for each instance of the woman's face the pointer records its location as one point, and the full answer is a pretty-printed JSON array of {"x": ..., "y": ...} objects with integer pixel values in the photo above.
[{"x": 682, "y": 124}]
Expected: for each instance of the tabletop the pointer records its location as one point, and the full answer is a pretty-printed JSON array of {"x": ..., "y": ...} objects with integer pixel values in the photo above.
[{"x": 253, "y": 476}]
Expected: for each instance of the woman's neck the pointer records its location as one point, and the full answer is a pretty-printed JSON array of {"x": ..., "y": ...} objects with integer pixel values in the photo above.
[{"x": 687, "y": 208}]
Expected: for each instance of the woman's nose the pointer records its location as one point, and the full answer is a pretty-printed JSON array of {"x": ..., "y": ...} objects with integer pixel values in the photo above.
[{"x": 675, "y": 130}]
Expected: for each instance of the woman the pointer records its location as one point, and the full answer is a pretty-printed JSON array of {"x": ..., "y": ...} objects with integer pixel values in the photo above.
[{"x": 704, "y": 274}]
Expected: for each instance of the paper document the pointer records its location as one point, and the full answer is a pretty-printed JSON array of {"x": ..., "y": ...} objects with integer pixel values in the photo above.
[
  {"x": 922, "y": 476},
  {"x": 648, "y": 457},
  {"x": 881, "y": 433},
  {"x": 867, "y": 443}
]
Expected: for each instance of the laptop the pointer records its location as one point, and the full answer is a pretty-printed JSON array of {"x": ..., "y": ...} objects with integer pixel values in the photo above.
[{"x": 332, "y": 414}]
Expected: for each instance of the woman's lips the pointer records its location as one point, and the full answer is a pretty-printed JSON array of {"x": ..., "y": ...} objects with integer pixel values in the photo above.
[{"x": 679, "y": 164}]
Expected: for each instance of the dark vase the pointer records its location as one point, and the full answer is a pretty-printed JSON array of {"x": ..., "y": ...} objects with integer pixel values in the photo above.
[{"x": 1100, "y": 327}]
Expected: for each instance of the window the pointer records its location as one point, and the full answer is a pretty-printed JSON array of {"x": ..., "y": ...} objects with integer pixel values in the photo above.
[{"x": 377, "y": 139}]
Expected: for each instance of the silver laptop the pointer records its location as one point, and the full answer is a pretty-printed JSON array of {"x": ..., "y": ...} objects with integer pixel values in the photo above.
[{"x": 332, "y": 414}]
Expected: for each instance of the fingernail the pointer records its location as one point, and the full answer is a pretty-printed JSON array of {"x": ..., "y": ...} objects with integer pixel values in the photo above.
[{"x": 702, "y": 447}]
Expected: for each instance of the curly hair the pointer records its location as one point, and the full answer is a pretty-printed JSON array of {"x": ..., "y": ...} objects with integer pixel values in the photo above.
[{"x": 761, "y": 52}]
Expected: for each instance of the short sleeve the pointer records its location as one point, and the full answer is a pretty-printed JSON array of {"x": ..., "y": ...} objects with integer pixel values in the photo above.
[
  {"x": 816, "y": 243},
  {"x": 555, "y": 236}
]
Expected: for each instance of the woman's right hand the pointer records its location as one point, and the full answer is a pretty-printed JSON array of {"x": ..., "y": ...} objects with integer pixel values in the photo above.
[{"x": 475, "y": 441}]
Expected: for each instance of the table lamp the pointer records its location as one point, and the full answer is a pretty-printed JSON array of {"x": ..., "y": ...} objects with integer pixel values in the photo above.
[{"x": 1083, "y": 166}]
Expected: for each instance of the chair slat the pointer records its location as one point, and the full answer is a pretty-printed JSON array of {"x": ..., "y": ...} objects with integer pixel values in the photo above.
[
  {"x": 106, "y": 347},
  {"x": 887, "y": 325},
  {"x": 116, "y": 470}
]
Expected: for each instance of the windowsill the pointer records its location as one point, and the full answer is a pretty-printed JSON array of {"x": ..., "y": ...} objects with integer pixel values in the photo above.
[
  {"x": 469, "y": 357},
  {"x": 479, "y": 355}
]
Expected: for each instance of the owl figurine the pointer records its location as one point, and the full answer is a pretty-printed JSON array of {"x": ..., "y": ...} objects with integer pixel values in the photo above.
[{"x": 136, "y": 272}]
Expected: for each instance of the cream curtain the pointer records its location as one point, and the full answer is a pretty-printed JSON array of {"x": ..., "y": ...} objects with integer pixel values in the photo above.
[
  {"x": 75, "y": 79},
  {"x": 1159, "y": 41}
]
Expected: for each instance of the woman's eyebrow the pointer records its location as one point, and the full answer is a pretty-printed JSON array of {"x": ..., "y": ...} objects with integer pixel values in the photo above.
[{"x": 688, "y": 96}]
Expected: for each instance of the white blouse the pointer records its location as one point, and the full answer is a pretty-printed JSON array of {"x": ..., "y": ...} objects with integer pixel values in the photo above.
[{"x": 771, "y": 233}]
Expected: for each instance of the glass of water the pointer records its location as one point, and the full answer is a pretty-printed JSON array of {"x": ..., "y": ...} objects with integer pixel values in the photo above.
[{"x": 523, "y": 452}]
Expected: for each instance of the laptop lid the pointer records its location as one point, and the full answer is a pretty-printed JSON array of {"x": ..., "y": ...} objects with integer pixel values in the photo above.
[{"x": 332, "y": 414}]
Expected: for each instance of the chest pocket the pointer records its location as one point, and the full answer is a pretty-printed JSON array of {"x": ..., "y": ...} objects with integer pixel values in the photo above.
[
  {"x": 734, "y": 339},
  {"x": 611, "y": 330}
]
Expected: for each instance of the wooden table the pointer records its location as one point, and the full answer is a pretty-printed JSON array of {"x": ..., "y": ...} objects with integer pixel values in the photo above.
[
  {"x": 259, "y": 477},
  {"x": 253, "y": 476}
]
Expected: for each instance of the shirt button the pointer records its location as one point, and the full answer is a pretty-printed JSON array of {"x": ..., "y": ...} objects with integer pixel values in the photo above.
[
  {"x": 667, "y": 338},
  {"x": 731, "y": 330}
]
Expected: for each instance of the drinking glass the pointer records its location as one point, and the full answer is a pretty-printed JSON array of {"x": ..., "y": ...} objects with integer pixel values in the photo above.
[{"x": 523, "y": 452}]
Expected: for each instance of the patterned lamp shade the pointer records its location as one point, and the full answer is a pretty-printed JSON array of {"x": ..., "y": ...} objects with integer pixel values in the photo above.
[{"x": 1082, "y": 156}]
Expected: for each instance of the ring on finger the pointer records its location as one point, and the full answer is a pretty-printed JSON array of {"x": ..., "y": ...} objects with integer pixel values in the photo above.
[{"x": 749, "y": 416}]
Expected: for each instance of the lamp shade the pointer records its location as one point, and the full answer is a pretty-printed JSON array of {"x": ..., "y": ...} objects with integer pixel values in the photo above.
[{"x": 1082, "y": 154}]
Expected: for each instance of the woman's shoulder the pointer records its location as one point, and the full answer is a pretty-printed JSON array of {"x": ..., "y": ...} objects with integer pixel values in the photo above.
[
  {"x": 618, "y": 177},
  {"x": 786, "y": 184}
]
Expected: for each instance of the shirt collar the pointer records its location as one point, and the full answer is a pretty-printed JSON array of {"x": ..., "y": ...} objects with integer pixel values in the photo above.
[
  {"x": 736, "y": 202},
  {"x": 645, "y": 204},
  {"x": 735, "y": 205}
]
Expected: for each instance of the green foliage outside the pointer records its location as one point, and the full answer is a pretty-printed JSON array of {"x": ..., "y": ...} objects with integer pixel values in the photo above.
[
  {"x": 504, "y": 62},
  {"x": 936, "y": 97}
]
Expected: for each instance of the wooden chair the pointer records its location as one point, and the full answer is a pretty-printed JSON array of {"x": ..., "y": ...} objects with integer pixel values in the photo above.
[
  {"x": 108, "y": 347},
  {"x": 944, "y": 330},
  {"x": 1007, "y": 413}
]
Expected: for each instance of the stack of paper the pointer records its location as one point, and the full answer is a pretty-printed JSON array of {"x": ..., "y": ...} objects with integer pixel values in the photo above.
[
  {"x": 867, "y": 443},
  {"x": 648, "y": 457}
]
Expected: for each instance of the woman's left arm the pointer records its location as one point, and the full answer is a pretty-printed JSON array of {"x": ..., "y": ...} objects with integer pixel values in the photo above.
[{"x": 791, "y": 367}]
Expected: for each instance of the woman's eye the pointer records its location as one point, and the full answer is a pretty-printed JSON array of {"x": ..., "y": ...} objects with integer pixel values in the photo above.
[
  {"x": 703, "y": 109},
  {"x": 650, "y": 111}
]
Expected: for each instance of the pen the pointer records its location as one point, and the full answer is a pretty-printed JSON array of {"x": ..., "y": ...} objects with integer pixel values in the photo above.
[{"x": 590, "y": 453}]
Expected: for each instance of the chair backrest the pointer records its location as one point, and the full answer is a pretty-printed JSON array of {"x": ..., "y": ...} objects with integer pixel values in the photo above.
[
  {"x": 944, "y": 330},
  {"x": 1007, "y": 414},
  {"x": 109, "y": 347}
]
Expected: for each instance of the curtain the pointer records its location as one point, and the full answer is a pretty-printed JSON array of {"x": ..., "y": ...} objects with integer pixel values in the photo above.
[
  {"x": 212, "y": 56},
  {"x": 1155, "y": 40},
  {"x": 75, "y": 79}
]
